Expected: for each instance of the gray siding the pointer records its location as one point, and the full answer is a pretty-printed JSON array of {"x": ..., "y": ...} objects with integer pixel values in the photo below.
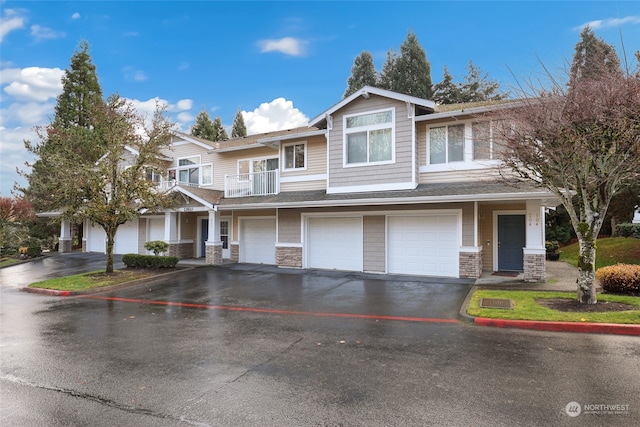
[
  {"x": 374, "y": 243},
  {"x": 289, "y": 226},
  {"x": 398, "y": 172}
]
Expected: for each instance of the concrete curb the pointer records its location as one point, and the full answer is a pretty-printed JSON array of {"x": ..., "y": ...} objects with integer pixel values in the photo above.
[
  {"x": 147, "y": 281},
  {"x": 537, "y": 325}
]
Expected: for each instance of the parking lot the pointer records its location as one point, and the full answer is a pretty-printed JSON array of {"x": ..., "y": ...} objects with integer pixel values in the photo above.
[{"x": 245, "y": 345}]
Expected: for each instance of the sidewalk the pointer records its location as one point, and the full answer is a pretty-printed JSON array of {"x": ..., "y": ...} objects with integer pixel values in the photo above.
[{"x": 561, "y": 276}]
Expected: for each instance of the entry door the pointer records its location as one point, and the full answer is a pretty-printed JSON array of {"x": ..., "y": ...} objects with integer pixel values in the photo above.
[
  {"x": 511, "y": 241},
  {"x": 224, "y": 236},
  {"x": 204, "y": 236}
]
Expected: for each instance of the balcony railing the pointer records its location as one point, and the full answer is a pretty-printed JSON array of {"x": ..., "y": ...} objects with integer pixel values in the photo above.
[
  {"x": 252, "y": 184},
  {"x": 166, "y": 185}
]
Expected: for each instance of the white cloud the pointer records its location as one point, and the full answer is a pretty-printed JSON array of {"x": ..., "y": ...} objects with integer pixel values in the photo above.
[
  {"x": 184, "y": 104},
  {"x": 12, "y": 20},
  {"x": 75, "y": 16},
  {"x": 278, "y": 114},
  {"x": 609, "y": 22},
  {"x": 43, "y": 33},
  {"x": 286, "y": 45},
  {"x": 32, "y": 83}
]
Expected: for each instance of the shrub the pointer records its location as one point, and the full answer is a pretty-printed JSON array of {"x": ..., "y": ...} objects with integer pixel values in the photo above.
[
  {"x": 156, "y": 246},
  {"x": 149, "y": 261},
  {"x": 34, "y": 251},
  {"x": 620, "y": 279},
  {"x": 628, "y": 230}
]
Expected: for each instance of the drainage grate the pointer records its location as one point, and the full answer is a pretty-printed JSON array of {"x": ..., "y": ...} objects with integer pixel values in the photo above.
[{"x": 496, "y": 303}]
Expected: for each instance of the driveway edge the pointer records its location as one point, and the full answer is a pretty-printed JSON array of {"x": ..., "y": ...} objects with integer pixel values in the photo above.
[
  {"x": 538, "y": 325},
  {"x": 126, "y": 285}
]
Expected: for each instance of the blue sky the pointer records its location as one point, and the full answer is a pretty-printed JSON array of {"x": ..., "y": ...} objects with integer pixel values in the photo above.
[{"x": 281, "y": 63}]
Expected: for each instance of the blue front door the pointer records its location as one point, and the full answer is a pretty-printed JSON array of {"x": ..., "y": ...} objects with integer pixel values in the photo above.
[
  {"x": 511, "y": 241},
  {"x": 204, "y": 236}
]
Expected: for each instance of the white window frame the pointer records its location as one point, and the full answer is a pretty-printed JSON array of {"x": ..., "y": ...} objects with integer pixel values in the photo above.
[
  {"x": 254, "y": 159},
  {"x": 446, "y": 143},
  {"x": 284, "y": 156},
  {"x": 346, "y": 131},
  {"x": 468, "y": 162},
  {"x": 199, "y": 165}
]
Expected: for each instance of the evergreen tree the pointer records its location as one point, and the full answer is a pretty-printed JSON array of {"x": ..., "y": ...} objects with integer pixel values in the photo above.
[
  {"x": 80, "y": 97},
  {"x": 220, "y": 132},
  {"x": 592, "y": 57},
  {"x": 477, "y": 87},
  {"x": 389, "y": 76},
  {"x": 363, "y": 73},
  {"x": 412, "y": 71},
  {"x": 447, "y": 92},
  {"x": 239, "y": 129},
  {"x": 204, "y": 127}
]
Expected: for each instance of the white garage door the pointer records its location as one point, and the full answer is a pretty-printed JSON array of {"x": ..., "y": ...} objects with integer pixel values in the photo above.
[
  {"x": 155, "y": 230},
  {"x": 335, "y": 243},
  {"x": 423, "y": 245},
  {"x": 126, "y": 241},
  {"x": 127, "y": 238},
  {"x": 96, "y": 240},
  {"x": 258, "y": 241}
]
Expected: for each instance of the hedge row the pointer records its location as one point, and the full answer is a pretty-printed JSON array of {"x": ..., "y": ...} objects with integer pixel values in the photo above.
[
  {"x": 620, "y": 279},
  {"x": 628, "y": 230},
  {"x": 149, "y": 261}
]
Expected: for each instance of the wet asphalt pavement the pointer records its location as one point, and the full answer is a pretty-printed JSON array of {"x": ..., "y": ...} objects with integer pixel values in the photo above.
[{"x": 236, "y": 346}]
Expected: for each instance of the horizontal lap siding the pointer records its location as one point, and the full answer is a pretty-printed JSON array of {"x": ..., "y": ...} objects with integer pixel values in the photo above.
[
  {"x": 316, "y": 165},
  {"x": 374, "y": 243},
  {"x": 289, "y": 226},
  {"x": 398, "y": 172}
]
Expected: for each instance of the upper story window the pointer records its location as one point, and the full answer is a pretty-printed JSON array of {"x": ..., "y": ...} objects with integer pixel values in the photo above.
[
  {"x": 446, "y": 144},
  {"x": 487, "y": 143},
  {"x": 295, "y": 156},
  {"x": 369, "y": 138},
  {"x": 191, "y": 172},
  {"x": 463, "y": 142}
]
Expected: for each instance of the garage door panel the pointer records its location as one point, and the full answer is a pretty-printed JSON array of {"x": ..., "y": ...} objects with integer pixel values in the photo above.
[
  {"x": 335, "y": 243},
  {"x": 423, "y": 245},
  {"x": 126, "y": 240},
  {"x": 258, "y": 240}
]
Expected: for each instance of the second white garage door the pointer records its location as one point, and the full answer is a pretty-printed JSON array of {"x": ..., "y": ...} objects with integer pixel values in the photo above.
[
  {"x": 126, "y": 240},
  {"x": 426, "y": 245},
  {"x": 258, "y": 240},
  {"x": 334, "y": 243}
]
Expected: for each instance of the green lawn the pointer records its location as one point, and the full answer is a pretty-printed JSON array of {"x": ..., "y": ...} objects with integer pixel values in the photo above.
[
  {"x": 609, "y": 251},
  {"x": 5, "y": 262},
  {"x": 94, "y": 279},
  {"x": 526, "y": 307}
]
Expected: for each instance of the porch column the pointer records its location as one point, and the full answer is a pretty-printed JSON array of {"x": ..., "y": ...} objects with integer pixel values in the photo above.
[
  {"x": 213, "y": 245},
  {"x": 65, "y": 242},
  {"x": 534, "y": 251},
  {"x": 170, "y": 227}
]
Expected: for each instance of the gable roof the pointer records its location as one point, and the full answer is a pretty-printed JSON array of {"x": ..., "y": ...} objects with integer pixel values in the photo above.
[
  {"x": 366, "y": 92},
  {"x": 201, "y": 142}
]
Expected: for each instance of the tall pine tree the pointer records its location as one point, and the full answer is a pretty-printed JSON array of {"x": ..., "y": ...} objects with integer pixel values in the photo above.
[
  {"x": 592, "y": 57},
  {"x": 221, "y": 133},
  {"x": 239, "y": 129},
  {"x": 446, "y": 92},
  {"x": 81, "y": 96},
  {"x": 412, "y": 73},
  {"x": 363, "y": 73},
  {"x": 204, "y": 127},
  {"x": 477, "y": 86}
]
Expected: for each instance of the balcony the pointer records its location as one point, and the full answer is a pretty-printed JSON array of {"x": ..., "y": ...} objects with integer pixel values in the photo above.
[{"x": 252, "y": 184}]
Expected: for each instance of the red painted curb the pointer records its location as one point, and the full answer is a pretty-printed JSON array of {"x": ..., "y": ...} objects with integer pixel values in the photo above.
[
  {"x": 595, "y": 328},
  {"x": 49, "y": 292}
]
